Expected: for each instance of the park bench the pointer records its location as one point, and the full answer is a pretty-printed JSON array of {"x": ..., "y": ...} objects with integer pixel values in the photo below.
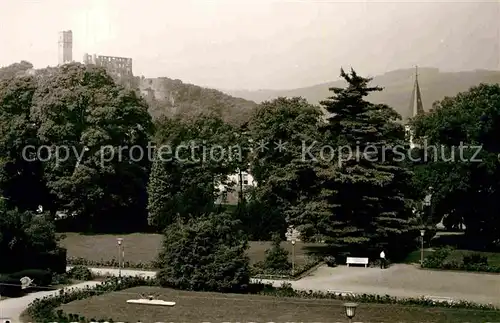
[{"x": 357, "y": 261}]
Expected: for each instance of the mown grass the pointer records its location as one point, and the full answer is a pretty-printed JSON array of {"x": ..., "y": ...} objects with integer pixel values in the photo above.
[
  {"x": 214, "y": 307},
  {"x": 143, "y": 248}
]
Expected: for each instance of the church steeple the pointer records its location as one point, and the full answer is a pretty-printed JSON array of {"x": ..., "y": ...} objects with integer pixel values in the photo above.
[
  {"x": 416, "y": 108},
  {"x": 416, "y": 105}
]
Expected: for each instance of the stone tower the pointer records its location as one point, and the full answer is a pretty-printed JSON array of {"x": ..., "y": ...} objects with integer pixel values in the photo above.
[
  {"x": 65, "y": 47},
  {"x": 416, "y": 107}
]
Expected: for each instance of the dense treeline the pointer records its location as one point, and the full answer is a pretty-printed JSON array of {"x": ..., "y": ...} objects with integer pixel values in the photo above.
[{"x": 96, "y": 156}]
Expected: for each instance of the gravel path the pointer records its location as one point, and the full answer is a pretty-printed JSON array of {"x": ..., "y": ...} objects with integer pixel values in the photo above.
[{"x": 11, "y": 308}]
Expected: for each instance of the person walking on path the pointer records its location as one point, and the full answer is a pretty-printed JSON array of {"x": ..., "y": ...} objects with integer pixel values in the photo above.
[{"x": 382, "y": 260}]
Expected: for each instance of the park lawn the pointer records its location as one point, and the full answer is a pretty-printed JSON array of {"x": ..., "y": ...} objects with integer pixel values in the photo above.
[
  {"x": 143, "y": 248},
  {"x": 215, "y": 307},
  {"x": 456, "y": 255}
]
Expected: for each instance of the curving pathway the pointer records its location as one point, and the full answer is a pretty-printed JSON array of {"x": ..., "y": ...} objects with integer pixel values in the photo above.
[{"x": 12, "y": 308}]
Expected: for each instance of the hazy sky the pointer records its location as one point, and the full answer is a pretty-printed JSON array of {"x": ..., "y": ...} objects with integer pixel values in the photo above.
[{"x": 253, "y": 44}]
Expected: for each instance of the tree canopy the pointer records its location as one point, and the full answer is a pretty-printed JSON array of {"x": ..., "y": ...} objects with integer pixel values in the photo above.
[{"x": 459, "y": 140}]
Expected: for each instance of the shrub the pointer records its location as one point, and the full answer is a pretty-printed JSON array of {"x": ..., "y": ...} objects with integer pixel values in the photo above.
[
  {"x": 437, "y": 258},
  {"x": 60, "y": 279},
  {"x": 80, "y": 273},
  {"x": 276, "y": 257},
  {"x": 206, "y": 253},
  {"x": 330, "y": 261},
  {"x": 474, "y": 259},
  {"x": 28, "y": 240},
  {"x": 40, "y": 277}
]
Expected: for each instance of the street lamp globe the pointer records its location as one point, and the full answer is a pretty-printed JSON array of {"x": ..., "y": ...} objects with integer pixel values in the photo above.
[
  {"x": 293, "y": 242},
  {"x": 119, "y": 241},
  {"x": 350, "y": 310},
  {"x": 422, "y": 232}
]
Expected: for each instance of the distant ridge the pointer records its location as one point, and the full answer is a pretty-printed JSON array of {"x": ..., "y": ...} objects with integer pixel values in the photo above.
[{"x": 397, "y": 84}]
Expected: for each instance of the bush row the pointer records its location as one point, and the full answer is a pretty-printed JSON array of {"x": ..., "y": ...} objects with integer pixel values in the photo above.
[
  {"x": 45, "y": 309},
  {"x": 470, "y": 262},
  {"x": 78, "y": 261}
]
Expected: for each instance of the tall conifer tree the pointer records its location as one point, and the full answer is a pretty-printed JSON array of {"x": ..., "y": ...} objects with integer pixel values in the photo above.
[{"x": 369, "y": 183}]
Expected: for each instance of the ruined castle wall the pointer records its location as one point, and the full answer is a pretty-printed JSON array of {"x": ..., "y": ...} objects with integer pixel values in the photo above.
[{"x": 115, "y": 66}]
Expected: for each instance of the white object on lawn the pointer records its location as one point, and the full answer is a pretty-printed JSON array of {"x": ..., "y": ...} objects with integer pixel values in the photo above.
[{"x": 150, "y": 302}]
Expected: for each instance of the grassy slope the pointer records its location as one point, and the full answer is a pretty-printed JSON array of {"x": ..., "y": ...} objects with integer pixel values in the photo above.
[{"x": 213, "y": 307}]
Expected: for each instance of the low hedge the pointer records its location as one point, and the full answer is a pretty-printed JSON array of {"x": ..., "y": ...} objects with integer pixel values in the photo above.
[
  {"x": 45, "y": 309},
  {"x": 78, "y": 261}
]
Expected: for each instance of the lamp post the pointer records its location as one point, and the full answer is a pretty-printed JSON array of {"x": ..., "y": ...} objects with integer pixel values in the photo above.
[
  {"x": 422, "y": 233},
  {"x": 350, "y": 310},
  {"x": 293, "y": 257},
  {"x": 427, "y": 205},
  {"x": 119, "y": 242}
]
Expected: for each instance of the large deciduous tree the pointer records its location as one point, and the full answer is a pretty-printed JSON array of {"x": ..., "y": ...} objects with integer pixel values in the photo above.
[
  {"x": 459, "y": 141},
  {"x": 193, "y": 158},
  {"x": 279, "y": 130},
  {"x": 21, "y": 177},
  {"x": 102, "y": 132}
]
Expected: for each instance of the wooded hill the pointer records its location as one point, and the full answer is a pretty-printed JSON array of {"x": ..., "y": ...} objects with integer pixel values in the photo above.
[{"x": 398, "y": 85}]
